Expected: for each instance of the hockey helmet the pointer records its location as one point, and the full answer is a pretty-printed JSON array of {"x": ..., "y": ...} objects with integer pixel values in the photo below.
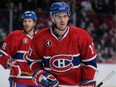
[
  {"x": 59, "y": 7},
  {"x": 29, "y": 14}
]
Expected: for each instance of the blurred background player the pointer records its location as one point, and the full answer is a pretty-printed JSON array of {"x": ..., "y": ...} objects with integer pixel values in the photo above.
[
  {"x": 66, "y": 55},
  {"x": 14, "y": 49}
]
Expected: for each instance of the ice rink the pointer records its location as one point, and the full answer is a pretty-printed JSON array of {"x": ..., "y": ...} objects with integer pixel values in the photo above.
[{"x": 104, "y": 70}]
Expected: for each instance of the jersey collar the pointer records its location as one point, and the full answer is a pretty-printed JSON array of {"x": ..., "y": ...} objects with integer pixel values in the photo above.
[{"x": 57, "y": 36}]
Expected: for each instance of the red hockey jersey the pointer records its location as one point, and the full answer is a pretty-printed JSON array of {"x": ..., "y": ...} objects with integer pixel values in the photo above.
[
  {"x": 72, "y": 60},
  {"x": 16, "y": 46}
]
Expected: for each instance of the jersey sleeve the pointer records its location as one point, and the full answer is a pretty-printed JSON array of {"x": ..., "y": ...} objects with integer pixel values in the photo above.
[
  {"x": 34, "y": 56},
  {"x": 88, "y": 56},
  {"x": 8, "y": 49}
]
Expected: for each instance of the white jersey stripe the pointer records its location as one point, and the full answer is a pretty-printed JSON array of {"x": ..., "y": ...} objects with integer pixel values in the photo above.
[{"x": 89, "y": 59}]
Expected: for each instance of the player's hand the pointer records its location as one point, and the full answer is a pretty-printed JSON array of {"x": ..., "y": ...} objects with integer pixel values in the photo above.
[
  {"x": 44, "y": 79},
  {"x": 14, "y": 68}
]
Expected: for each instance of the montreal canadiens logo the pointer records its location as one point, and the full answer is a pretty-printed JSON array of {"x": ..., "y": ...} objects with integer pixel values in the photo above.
[{"x": 61, "y": 63}]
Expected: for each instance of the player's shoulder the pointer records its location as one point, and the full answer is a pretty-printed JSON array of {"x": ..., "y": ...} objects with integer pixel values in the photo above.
[
  {"x": 16, "y": 32},
  {"x": 42, "y": 32},
  {"x": 78, "y": 31},
  {"x": 40, "y": 35}
]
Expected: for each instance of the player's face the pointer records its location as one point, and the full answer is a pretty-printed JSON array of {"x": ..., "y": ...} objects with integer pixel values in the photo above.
[
  {"x": 61, "y": 20},
  {"x": 28, "y": 25}
]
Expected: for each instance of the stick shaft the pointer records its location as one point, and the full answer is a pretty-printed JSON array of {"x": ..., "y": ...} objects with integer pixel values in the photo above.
[
  {"x": 27, "y": 73},
  {"x": 106, "y": 78},
  {"x": 99, "y": 84}
]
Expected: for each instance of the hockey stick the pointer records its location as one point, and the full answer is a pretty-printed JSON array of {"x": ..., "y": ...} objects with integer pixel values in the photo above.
[
  {"x": 106, "y": 78},
  {"x": 27, "y": 73}
]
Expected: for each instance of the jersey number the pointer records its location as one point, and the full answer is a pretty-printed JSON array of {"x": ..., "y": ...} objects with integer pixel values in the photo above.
[{"x": 92, "y": 48}]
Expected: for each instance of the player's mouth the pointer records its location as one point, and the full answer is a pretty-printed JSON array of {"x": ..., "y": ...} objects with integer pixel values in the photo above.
[
  {"x": 62, "y": 24},
  {"x": 26, "y": 27}
]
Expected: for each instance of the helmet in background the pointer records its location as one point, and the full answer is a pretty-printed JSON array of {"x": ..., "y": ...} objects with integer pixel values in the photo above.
[
  {"x": 29, "y": 14},
  {"x": 59, "y": 7}
]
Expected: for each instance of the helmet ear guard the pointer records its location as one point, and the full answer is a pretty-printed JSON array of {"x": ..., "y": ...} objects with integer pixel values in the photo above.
[
  {"x": 59, "y": 7},
  {"x": 29, "y": 14}
]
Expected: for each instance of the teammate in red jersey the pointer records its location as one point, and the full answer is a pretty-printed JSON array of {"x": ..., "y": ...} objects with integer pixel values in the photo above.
[
  {"x": 14, "y": 50},
  {"x": 64, "y": 56}
]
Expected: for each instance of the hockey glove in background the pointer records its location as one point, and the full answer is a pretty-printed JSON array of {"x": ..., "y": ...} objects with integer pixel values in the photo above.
[
  {"x": 44, "y": 79},
  {"x": 14, "y": 68}
]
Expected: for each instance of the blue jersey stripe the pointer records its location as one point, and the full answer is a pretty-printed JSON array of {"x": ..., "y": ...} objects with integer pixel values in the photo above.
[
  {"x": 18, "y": 56},
  {"x": 91, "y": 62}
]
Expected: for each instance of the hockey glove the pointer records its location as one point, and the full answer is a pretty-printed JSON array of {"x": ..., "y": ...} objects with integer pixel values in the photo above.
[
  {"x": 14, "y": 68},
  {"x": 44, "y": 79}
]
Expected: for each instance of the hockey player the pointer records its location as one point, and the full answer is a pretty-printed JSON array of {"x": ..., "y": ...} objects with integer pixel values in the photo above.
[
  {"x": 14, "y": 50},
  {"x": 64, "y": 56}
]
